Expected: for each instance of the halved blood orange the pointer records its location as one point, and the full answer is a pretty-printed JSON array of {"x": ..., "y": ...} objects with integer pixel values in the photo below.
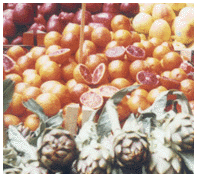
[
  {"x": 169, "y": 83},
  {"x": 147, "y": 80},
  {"x": 135, "y": 53},
  {"x": 99, "y": 75},
  {"x": 91, "y": 99},
  {"x": 82, "y": 74},
  {"x": 60, "y": 56},
  {"x": 107, "y": 91},
  {"x": 8, "y": 63},
  {"x": 115, "y": 53}
]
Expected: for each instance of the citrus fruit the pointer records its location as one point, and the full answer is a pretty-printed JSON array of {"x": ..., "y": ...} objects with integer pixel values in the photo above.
[
  {"x": 168, "y": 44},
  {"x": 28, "y": 72},
  {"x": 60, "y": 56},
  {"x": 171, "y": 60},
  {"x": 123, "y": 37},
  {"x": 14, "y": 77},
  {"x": 136, "y": 102},
  {"x": 10, "y": 119},
  {"x": 187, "y": 67},
  {"x": 148, "y": 47},
  {"x": 15, "y": 52},
  {"x": 120, "y": 22},
  {"x": 177, "y": 6},
  {"x": 25, "y": 62},
  {"x": 72, "y": 28},
  {"x": 153, "y": 94},
  {"x": 160, "y": 29},
  {"x": 135, "y": 36},
  {"x": 67, "y": 70},
  {"x": 141, "y": 92},
  {"x": 87, "y": 32},
  {"x": 187, "y": 87},
  {"x": 50, "y": 71},
  {"x": 91, "y": 99},
  {"x": 107, "y": 91},
  {"x": 41, "y": 61},
  {"x": 123, "y": 111},
  {"x": 160, "y": 51},
  {"x": 146, "y": 7},
  {"x": 52, "y": 38},
  {"x": 187, "y": 13},
  {"x": 154, "y": 65},
  {"x": 118, "y": 68},
  {"x": 31, "y": 92},
  {"x": 33, "y": 79},
  {"x": 178, "y": 74},
  {"x": 136, "y": 66},
  {"x": 99, "y": 75},
  {"x": 20, "y": 87},
  {"x": 156, "y": 41},
  {"x": 71, "y": 41},
  {"x": 32, "y": 122},
  {"x": 169, "y": 83},
  {"x": 70, "y": 84},
  {"x": 52, "y": 48},
  {"x": 142, "y": 22},
  {"x": 163, "y": 11},
  {"x": 120, "y": 83},
  {"x": 101, "y": 36},
  {"x": 166, "y": 74},
  {"x": 115, "y": 53},
  {"x": 36, "y": 52},
  {"x": 135, "y": 53},
  {"x": 77, "y": 91},
  {"x": 148, "y": 80},
  {"x": 139, "y": 45},
  {"x": 111, "y": 44},
  {"x": 16, "y": 107},
  {"x": 49, "y": 102}
]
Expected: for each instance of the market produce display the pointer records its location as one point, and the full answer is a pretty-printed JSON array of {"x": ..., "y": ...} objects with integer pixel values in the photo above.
[{"x": 124, "y": 64}]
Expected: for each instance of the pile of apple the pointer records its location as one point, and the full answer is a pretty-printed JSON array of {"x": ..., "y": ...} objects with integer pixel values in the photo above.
[{"x": 21, "y": 17}]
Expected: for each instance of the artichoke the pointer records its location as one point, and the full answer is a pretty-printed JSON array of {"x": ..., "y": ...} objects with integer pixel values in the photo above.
[
  {"x": 12, "y": 171},
  {"x": 94, "y": 159},
  {"x": 25, "y": 131},
  {"x": 58, "y": 150},
  {"x": 130, "y": 148},
  {"x": 31, "y": 169},
  {"x": 180, "y": 132},
  {"x": 163, "y": 160}
]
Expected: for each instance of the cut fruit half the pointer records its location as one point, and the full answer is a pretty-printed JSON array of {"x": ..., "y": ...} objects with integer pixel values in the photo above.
[
  {"x": 135, "y": 53},
  {"x": 115, "y": 53},
  {"x": 91, "y": 99},
  {"x": 147, "y": 80},
  {"x": 60, "y": 56},
  {"x": 8, "y": 63},
  {"x": 99, "y": 74},
  {"x": 169, "y": 83},
  {"x": 107, "y": 91}
]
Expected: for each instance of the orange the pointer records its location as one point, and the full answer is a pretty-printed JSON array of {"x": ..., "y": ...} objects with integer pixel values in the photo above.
[
  {"x": 16, "y": 107},
  {"x": 117, "y": 69},
  {"x": 32, "y": 122},
  {"x": 60, "y": 56},
  {"x": 33, "y": 79},
  {"x": 141, "y": 92},
  {"x": 20, "y": 87},
  {"x": 135, "y": 36},
  {"x": 50, "y": 71},
  {"x": 160, "y": 51},
  {"x": 37, "y": 52},
  {"x": 154, "y": 93},
  {"x": 25, "y": 62},
  {"x": 171, "y": 60},
  {"x": 123, "y": 110},
  {"x": 70, "y": 84},
  {"x": 28, "y": 72},
  {"x": 10, "y": 119},
  {"x": 111, "y": 44},
  {"x": 166, "y": 74},
  {"x": 192, "y": 104},
  {"x": 187, "y": 87},
  {"x": 87, "y": 32},
  {"x": 123, "y": 37},
  {"x": 168, "y": 44},
  {"x": 156, "y": 41},
  {"x": 138, "y": 44},
  {"x": 89, "y": 48},
  {"x": 120, "y": 83},
  {"x": 137, "y": 101},
  {"x": 71, "y": 41},
  {"x": 178, "y": 74},
  {"x": 135, "y": 67},
  {"x": 31, "y": 92},
  {"x": 101, "y": 36},
  {"x": 94, "y": 60},
  {"x": 52, "y": 48},
  {"x": 154, "y": 65},
  {"x": 148, "y": 47},
  {"x": 67, "y": 70},
  {"x": 41, "y": 61},
  {"x": 72, "y": 28},
  {"x": 14, "y": 77},
  {"x": 49, "y": 102},
  {"x": 52, "y": 38},
  {"x": 120, "y": 22},
  {"x": 15, "y": 52}
]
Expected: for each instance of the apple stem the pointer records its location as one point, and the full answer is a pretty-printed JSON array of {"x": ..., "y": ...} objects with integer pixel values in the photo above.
[{"x": 82, "y": 33}]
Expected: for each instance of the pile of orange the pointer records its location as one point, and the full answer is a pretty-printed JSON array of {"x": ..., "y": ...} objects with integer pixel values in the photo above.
[{"x": 53, "y": 77}]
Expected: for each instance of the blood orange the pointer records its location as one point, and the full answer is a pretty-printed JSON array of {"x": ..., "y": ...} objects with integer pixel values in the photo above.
[
  {"x": 107, "y": 90},
  {"x": 115, "y": 53},
  {"x": 134, "y": 53},
  {"x": 99, "y": 75},
  {"x": 8, "y": 63},
  {"x": 91, "y": 99},
  {"x": 147, "y": 79},
  {"x": 169, "y": 83},
  {"x": 60, "y": 56}
]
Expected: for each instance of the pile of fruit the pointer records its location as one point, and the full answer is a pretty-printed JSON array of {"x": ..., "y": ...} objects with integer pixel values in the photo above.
[{"x": 126, "y": 71}]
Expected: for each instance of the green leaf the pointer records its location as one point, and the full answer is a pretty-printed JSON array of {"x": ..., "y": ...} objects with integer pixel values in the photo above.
[
  {"x": 18, "y": 142},
  {"x": 8, "y": 90},
  {"x": 55, "y": 121}
]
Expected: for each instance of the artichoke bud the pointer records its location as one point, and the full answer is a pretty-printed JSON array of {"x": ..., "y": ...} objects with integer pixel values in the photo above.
[{"x": 58, "y": 150}]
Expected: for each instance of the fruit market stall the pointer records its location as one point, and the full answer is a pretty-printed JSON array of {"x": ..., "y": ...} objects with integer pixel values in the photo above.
[{"x": 98, "y": 88}]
